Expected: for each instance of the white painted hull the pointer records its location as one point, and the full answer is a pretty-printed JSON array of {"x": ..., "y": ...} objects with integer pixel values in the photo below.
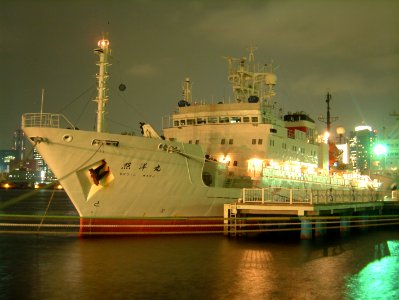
[{"x": 169, "y": 185}]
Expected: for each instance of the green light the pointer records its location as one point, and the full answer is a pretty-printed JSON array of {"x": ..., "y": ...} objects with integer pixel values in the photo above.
[{"x": 380, "y": 149}]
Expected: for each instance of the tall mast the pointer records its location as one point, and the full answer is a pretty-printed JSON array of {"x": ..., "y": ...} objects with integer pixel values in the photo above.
[
  {"x": 102, "y": 77},
  {"x": 329, "y": 119},
  {"x": 328, "y": 113}
]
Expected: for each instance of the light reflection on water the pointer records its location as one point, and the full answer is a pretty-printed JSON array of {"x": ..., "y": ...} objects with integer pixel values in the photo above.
[
  {"x": 379, "y": 279},
  {"x": 199, "y": 267}
]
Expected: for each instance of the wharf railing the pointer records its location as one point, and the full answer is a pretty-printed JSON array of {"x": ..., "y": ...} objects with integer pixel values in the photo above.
[
  {"x": 307, "y": 196},
  {"x": 46, "y": 120}
]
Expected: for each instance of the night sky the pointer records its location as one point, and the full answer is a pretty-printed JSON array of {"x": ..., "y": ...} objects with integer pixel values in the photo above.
[{"x": 349, "y": 48}]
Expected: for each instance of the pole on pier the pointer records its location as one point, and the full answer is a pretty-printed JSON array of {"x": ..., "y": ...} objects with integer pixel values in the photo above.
[{"x": 306, "y": 229}]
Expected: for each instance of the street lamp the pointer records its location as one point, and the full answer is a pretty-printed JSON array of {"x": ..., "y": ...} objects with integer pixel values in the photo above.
[{"x": 379, "y": 150}]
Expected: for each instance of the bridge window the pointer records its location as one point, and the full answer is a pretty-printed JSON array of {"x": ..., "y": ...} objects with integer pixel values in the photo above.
[
  {"x": 201, "y": 121},
  {"x": 222, "y": 141},
  {"x": 245, "y": 119},
  {"x": 230, "y": 141},
  {"x": 190, "y": 121},
  {"x": 235, "y": 120},
  {"x": 254, "y": 119},
  {"x": 212, "y": 119},
  {"x": 253, "y": 141},
  {"x": 224, "y": 119}
]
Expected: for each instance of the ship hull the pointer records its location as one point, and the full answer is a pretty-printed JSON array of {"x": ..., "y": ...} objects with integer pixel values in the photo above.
[
  {"x": 138, "y": 226},
  {"x": 148, "y": 185}
]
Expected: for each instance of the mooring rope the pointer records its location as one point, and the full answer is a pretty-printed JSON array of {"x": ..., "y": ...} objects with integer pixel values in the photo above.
[{"x": 45, "y": 212}]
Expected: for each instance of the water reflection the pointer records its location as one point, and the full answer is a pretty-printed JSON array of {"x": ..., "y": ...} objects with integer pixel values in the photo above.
[
  {"x": 199, "y": 267},
  {"x": 379, "y": 279}
]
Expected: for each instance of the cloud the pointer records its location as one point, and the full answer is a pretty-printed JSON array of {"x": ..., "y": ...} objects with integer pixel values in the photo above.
[
  {"x": 323, "y": 28},
  {"x": 146, "y": 70}
]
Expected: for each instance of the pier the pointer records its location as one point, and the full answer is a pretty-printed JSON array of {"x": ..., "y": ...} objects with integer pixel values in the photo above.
[{"x": 311, "y": 212}]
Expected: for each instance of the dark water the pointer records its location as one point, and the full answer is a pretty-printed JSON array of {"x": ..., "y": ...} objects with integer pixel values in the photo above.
[{"x": 361, "y": 265}]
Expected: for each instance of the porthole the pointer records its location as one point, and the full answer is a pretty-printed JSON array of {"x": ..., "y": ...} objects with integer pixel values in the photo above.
[{"x": 67, "y": 138}]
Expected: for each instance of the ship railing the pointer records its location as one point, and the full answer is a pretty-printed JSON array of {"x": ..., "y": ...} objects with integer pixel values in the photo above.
[
  {"x": 307, "y": 196},
  {"x": 311, "y": 178},
  {"x": 46, "y": 120}
]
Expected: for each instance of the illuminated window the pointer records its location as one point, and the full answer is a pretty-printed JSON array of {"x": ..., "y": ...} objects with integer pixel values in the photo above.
[{"x": 235, "y": 119}]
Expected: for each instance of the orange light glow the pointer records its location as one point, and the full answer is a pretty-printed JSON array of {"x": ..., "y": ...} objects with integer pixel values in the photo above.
[
  {"x": 103, "y": 43},
  {"x": 255, "y": 166},
  {"x": 225, "y": 159}
]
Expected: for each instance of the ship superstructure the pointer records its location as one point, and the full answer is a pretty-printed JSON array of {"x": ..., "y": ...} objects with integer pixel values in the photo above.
[{"x": 250, "y": 135}]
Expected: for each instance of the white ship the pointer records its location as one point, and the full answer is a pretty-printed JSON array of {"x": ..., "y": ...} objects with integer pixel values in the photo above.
[{"x": 209, "y": 153}]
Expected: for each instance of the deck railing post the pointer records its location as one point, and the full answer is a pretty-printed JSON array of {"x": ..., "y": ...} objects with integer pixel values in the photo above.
[
  {"x": 290, "y": 196},
  {"x": 263, "y": 196},
  {"x": 243, "y": 195}
]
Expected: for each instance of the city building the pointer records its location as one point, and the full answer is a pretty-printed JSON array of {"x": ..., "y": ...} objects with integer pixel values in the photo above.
[
  {"x": 361, "y": 143},
  {"x": 6, "y": 157},
  {"x": 19, "y": 144},
  {"x": 23, "y": 165}
]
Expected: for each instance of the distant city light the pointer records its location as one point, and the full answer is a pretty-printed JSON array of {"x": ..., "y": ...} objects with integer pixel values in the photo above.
[
  {"x": 380, "y": 149},
  {"x": 363, "y": 127}
]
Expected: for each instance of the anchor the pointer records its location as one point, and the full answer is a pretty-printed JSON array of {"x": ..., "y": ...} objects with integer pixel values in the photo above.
[{"x": 98, "y": 173}]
